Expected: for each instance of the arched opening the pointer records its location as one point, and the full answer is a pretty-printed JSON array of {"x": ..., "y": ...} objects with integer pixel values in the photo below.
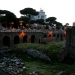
[
  {"x": 53, "y": 35},
  {"x": 25, "y": 39},
  {"x": 64, "y": 34},
  {"x": 49, "y": 35},
  {"x": 16, "y": 40},
  {"x": 39, "y": 40},
  {"x": 6, "y": 41},
  {"x": 61, "y": 37},
  {"x": 32, "y": 38},
  {"x": 45, "y": 36},
  {"x": 57, "y": 36}
]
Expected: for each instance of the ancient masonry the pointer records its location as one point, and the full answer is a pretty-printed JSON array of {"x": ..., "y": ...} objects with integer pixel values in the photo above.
[
  {"x": 70, "y": 40},
  {"x": 9, "y": 37}
]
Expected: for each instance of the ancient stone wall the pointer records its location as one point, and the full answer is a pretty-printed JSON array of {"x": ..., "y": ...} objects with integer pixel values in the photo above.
[
  {"x": 70, "y": 40},
  {"x": 34, "y": 37}
]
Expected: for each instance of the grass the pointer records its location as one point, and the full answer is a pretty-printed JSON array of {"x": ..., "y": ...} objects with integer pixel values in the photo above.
[{"x": 40, "y": 66}]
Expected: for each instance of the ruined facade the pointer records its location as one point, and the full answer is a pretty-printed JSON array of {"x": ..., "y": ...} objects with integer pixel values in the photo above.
[
  {"x": 9, "y": 38},
  {"x": 70, "y": 40}
]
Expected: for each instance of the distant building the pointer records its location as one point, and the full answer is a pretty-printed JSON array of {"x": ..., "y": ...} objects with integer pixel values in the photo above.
[{"x": 41, "y": 15}]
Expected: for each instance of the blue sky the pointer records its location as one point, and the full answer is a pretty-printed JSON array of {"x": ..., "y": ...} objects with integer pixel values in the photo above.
[{"x": 63, "y": 10}]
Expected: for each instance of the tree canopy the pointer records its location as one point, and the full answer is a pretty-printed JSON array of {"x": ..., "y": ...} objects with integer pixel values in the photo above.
[
  {"x": 8, "y": 14},
  {"x": 7, "y": 17},
  {"x": 40, "y": 21},
  {"x": 51, "y": 19},
  {"x": 58, "y": 24},
  {"x": 29, "y": 11}
]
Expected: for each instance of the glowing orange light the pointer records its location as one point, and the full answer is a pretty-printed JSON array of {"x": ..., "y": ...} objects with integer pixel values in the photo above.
[
  {"x": 50, "y": 34},
  {"x": 64, "y": 34},
  {"x": 21, "y": 34}
]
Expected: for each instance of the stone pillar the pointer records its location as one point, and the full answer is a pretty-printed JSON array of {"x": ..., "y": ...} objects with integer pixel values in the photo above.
[
  {"x": 29, "y": 39},
  {"x": 11, "y": 41},
  {"x": 68, "y": 38},
  {"x": 21, "y": 39}
]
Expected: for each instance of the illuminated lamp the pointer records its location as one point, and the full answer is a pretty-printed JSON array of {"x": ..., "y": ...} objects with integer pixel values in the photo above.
[
  {"x": 64, "y": 34},
  {"x": 21, "y": 34},
  {"x": 50, "y": 34}
]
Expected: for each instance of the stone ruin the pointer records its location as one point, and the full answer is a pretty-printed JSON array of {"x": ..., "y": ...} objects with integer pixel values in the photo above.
[
  {"x": 68, "y": 52},
  {"x": 70, "y": 40}
]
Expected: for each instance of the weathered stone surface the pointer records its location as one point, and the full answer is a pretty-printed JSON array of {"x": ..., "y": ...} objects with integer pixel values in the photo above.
[
  {"x": 61, "y": 55},
  {"x": 38, "y": 54},
  {"x": 65, "y": 58},
  {"x": 12, "y": 65}
]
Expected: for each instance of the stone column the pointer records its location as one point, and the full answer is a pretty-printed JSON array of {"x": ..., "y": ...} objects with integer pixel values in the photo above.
[
  {"x": 21, "y": 39},
  {"x": 11, "y": 41},
  {"x": 29, "y": 39}
]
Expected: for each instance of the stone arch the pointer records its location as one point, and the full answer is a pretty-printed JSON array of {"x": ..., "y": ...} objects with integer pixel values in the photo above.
[
  {"x": 49, "y": 35},
  {"x": 64, "y": 34},
  {"x": 57, "y": 36},
  {"x": 61, "y": 37},
  {"x": 6, "y": 41},
  {"x": 16, "y": 40},
  {"x": 39, "y": 41},
  {"x": 32, "y": 38},
  {"x": 45, "y": 36},
  {"x": 53, "y": 35},
  {"x": 25, "y": 39}
]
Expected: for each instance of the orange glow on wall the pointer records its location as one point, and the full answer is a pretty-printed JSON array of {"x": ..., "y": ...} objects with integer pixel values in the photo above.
[
  {"x": 64, "y": 34},
  {"x": 50, "y": 34},
  {"x": 21, "y": 34}
]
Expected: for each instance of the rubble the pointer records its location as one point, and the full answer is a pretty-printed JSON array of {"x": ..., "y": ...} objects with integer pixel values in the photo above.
[
  {"x": 12, "y": 65},
  {"x": 38, "y": 54}
]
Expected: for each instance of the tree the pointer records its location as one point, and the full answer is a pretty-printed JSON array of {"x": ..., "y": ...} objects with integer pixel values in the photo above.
[
  {"x": 40, "y": 21},
  {"x": 8, "y": 17},
  {"x": 51, "y": 20},
  {"x": 29, "y": 12},
  {"x": 67, "y": 24},
  {"x": 25, "y": 20},
  {"x": 32, "y": 21},
  {"x": 58, "y": 25}
]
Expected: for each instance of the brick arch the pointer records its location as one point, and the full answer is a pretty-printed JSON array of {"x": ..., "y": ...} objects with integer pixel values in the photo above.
[
  {"x": 25, "y": 39},
  {"x": 32, "y": 38},
  {"x": 6, "y": 41},
  {"x": 16, "y": 39}
]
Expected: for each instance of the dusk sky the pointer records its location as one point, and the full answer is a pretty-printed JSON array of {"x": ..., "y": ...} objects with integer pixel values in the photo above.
[{"x": 63, "y": 10}]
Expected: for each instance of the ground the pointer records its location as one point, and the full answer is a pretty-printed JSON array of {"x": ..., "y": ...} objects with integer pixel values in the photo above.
[{"x": 40, "y": 66}]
